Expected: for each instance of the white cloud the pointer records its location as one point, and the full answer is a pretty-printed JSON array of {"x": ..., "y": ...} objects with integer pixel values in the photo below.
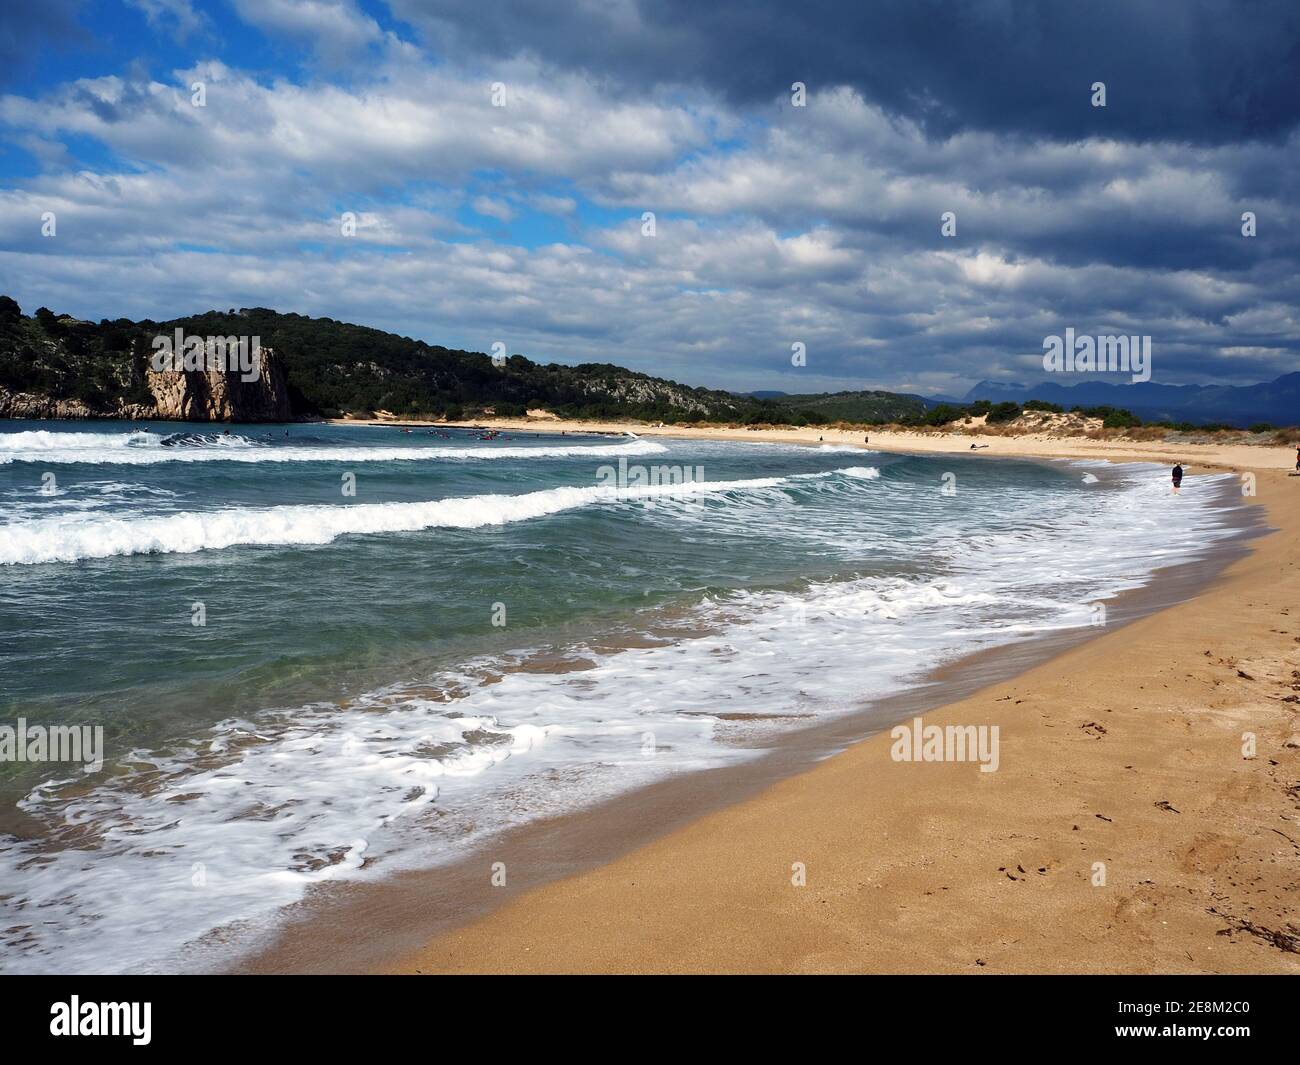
[
  {"x": 820, "y": 226},
  {"x": 491, "y": 208},
  {"x": 176, "y": 16},
  {"x": 334, "y": 28},
  {"x": 553, "y": 205}
]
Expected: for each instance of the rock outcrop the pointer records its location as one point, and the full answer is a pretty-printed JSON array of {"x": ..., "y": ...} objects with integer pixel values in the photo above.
[
  {"x": 178, "y": 395},
  {"x": 221, "y": 396},
  {"x": 26, "y": 405},
  {"x": 60, "y": 366}
]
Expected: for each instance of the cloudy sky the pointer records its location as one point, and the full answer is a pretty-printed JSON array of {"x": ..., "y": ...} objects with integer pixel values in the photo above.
[{"x": 499, "y": 157}]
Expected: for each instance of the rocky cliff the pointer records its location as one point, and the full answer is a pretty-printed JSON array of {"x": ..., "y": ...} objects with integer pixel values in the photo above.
[
  {"x": 55, "y": 366},
  {"x": 26, "y": 405},
  {"x": 218, "y": 396},
  {"x": 178, "y": 395}
]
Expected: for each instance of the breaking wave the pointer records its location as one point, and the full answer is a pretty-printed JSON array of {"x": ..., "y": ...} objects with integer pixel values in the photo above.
[{"x": 143, "y": 449}]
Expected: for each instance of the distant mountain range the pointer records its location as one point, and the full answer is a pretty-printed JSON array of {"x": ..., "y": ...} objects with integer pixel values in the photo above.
[{"x": 1277, "y": 401}]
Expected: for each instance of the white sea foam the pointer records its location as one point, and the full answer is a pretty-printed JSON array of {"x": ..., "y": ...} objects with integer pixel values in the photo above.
[
  {"x": 242, "y": 823},
  {"x": 18, "y": 505},
  {"x": 145, "y": 449},
  {"x": 270, "y": 806},
  {"x": 170, "y": 845},
  {"x": 70, "y": 538}
]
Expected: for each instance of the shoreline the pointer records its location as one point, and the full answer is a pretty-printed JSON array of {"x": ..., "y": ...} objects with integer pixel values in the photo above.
[
  {"x": 1219, "y": 456},
  {"x": 441, "y": 919},
  {"x": 935, "y": 867}
]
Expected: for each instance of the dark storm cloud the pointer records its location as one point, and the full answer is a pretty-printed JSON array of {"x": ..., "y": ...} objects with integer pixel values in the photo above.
[
  {"x": 777, "y": 224},
  {"x": 1203, "y": 71}
]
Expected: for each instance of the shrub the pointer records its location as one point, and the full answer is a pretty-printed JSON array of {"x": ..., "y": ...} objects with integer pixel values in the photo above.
[
  {"x": 943, "y": 414},
  {"x": 1120, "y": 419}
]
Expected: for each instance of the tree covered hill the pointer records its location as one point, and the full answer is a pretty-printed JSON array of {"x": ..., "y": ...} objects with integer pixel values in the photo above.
[
  {"x": 872, "y": 407},
  {"x": 334, "y": 368},
  {"x": 57, "y": 366}
]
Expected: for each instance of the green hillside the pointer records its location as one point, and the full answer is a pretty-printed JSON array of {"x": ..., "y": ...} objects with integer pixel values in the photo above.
[
  {"x": 868, "y": 407},
  {"x": 333, "y": 368}
]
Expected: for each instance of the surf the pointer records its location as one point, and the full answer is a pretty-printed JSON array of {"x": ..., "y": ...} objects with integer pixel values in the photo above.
[
  {"x": 144, "y": 449},
  {"x": 78, "y": 537}
]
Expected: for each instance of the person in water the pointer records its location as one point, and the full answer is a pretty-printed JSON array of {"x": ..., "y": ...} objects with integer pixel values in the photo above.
[{"x": 1178, "y": 478}]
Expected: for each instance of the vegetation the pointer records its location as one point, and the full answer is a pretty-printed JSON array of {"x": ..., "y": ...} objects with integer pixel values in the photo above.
[
  {"x": 58, "y": 356},
  {"x": 947, "y": 413},
  {"x": 334, "y": 368},
  {"x": 1120, "y": 419},
  {"x": 857, "y": 408}
]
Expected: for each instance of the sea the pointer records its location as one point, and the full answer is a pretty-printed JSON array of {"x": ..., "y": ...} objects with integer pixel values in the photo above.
[{"x": 323, "y": 653}]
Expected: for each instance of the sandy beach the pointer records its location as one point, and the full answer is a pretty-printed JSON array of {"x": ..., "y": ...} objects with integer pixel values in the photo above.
[
  {"x": 1228, "y": 456},
  {"x": 1144, "y": 816}
]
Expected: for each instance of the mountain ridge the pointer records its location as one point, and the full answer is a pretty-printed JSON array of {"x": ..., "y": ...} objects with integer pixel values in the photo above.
[
  {"x": 57, "y": 366},
  {"x": 1276, "y": 401}
]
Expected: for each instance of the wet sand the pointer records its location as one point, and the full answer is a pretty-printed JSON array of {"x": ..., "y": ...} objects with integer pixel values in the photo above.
[
  {"x": 1124, "y": 830},
  {"x": 914, "y": 867}
]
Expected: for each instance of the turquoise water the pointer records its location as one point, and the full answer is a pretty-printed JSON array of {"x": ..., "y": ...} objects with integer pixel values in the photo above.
[{"x": 485, "y": 632}]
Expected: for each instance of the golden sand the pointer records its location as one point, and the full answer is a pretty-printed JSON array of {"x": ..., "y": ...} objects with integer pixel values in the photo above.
[{"x": 1124, "y": 831}]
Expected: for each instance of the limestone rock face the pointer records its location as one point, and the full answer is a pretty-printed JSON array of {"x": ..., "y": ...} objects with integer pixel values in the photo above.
[
  {"x": 179, "y": 395},
  {"x": 27, "y": 405},
  {"x": 220, "y": 396}
]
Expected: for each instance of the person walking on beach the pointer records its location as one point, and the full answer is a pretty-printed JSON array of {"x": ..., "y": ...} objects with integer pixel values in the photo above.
[
  {"x": 1297, "y": 458},
  {"x": 1178, "y": 477}
]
